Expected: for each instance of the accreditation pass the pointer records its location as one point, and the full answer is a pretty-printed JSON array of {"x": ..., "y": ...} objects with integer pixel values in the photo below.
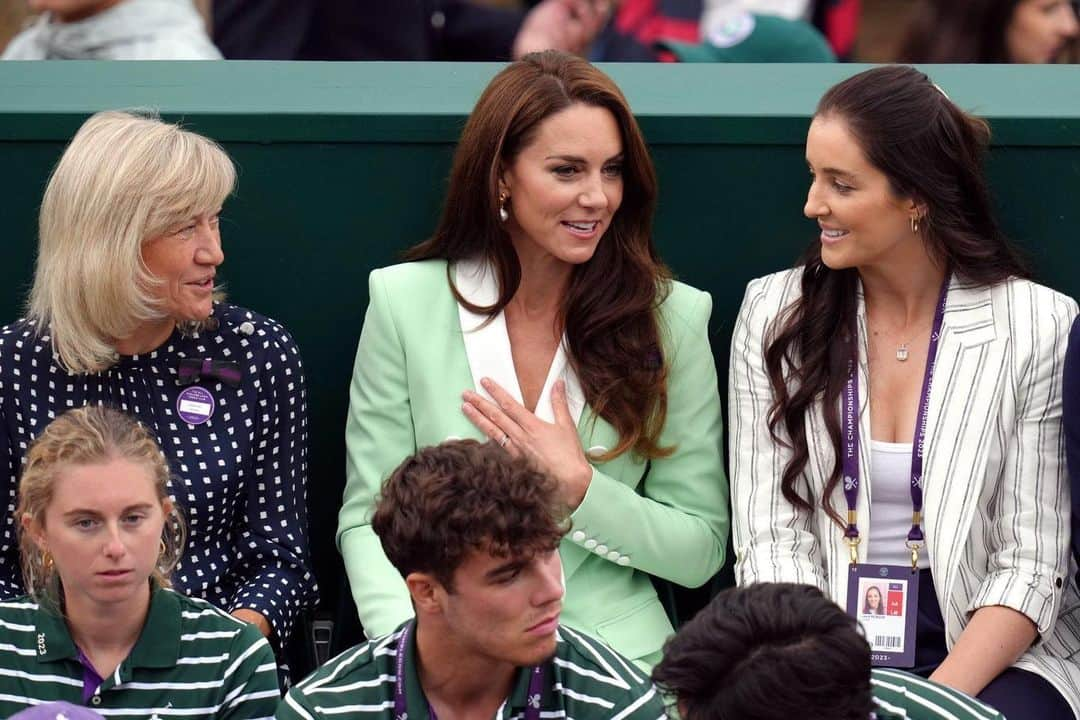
[{"x": 884, "y": 599}]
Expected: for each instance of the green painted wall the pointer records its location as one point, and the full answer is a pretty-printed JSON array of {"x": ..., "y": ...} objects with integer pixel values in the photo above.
[{"x": 342, "y": 166}]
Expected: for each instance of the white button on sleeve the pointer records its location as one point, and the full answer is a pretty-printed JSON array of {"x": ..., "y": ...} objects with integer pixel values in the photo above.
[
  {"x": 601, "y": 549},
  {"x": 578, "y": 536},
  {"x": 590, "y": 544}
]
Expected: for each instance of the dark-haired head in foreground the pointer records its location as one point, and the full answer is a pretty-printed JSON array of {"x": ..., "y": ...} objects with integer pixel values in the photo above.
[
  {"x": 769, "y": 651},
  {"x": 776, "y": 651}
]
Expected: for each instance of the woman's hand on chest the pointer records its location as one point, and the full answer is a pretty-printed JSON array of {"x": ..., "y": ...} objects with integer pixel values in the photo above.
[{"x": 554, "y": 448}]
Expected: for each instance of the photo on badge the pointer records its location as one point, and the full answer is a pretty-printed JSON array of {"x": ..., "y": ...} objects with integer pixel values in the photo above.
[{"x": 883, "y": 599}]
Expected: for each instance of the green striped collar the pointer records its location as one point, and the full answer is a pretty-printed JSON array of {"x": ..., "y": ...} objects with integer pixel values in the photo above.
[
  {"x": 417, "y": 704},
  {"x": 158, "y": 645}
]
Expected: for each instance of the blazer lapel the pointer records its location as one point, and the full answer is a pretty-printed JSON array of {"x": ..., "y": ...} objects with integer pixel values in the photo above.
[
  {"x": 575, "y": 398},
  {"x": 966, "y": 387},
  {"x": 487, "y": 344},
  {"x": 487, "y": 348}
]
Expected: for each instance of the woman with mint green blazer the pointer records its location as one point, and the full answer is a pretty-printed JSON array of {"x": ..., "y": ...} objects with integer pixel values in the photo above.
[{"x": 538, "y": 316}]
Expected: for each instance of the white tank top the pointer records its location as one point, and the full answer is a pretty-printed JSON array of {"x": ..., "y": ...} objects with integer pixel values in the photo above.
[{"x": 890, "y": 505}]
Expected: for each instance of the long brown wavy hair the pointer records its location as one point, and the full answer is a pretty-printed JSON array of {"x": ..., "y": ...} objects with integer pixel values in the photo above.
[
  {"x": 930, "y": 150},
  {"x": 609, "y": 311}
]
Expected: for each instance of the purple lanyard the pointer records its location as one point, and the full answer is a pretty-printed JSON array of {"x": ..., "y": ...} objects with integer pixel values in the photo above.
[
  {"x": 851, "y": 436},
  {"x": 91, "y": 680},
  {"x": 532, "y": 703}
]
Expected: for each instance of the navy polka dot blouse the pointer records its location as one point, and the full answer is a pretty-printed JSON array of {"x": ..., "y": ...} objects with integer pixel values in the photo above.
[{"x": 240, "y": 477}]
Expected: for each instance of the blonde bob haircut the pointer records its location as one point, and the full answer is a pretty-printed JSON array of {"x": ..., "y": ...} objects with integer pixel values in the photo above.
[
  {"x": 88, "y": 436},
  {"x": 126, "y": 178}
]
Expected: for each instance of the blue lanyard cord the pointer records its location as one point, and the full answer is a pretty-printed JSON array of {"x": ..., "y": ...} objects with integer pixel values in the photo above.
[
  {"x": 850, "y": 464},
  {"x": 532, "y": 706}
]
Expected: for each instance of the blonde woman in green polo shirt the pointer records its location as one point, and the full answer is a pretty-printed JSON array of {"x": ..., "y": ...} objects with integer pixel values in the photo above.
[{"x": 98, "y": 536}]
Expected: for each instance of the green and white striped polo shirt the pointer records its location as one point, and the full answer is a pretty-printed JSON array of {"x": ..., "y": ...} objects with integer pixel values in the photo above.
[
  {"x": 191, "y": 660},
  {"x": 586, "y": 680},
  {"x": 899, "y": 695}
]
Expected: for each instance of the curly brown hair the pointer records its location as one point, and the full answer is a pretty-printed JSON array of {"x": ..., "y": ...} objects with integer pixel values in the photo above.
[{"x": 450, "y": 500}]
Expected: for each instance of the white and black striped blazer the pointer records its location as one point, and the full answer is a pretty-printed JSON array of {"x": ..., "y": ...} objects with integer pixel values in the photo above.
[{"x": 996, "y": 510}]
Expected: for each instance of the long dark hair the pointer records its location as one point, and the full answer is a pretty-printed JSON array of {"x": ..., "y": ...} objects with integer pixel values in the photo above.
[
  {"x": 930, "y": 151},
  {"x": 609, "y": 311},
  {"x": 953, "y": 31}
]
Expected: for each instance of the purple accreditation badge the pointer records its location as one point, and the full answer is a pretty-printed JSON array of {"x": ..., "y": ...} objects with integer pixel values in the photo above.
[
  {"x": 884, "y": 599},
  {"x": 195, "y": 405}
]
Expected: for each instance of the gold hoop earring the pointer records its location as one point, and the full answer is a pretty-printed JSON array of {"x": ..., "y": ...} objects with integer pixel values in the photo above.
[
  {"x": 504, "y": 214},
  {"x": 915, "y": 224},
  {"x": 162, "y": 565},
  {"x": 47, "y": 563}
]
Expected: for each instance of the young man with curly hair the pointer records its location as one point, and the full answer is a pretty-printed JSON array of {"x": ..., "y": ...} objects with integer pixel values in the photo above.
[{"x": 475, "y": 534}]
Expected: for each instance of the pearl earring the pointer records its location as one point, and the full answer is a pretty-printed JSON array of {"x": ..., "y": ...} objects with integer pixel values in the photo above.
[{"x": 504, "y": 214}]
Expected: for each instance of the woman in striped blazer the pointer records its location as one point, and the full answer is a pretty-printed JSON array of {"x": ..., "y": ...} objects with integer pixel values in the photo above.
[
  {"x": 100, "y": 628},
  {"x": 910, "y": 334}
]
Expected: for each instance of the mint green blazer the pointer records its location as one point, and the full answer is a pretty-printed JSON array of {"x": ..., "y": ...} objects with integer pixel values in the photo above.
[{"x": 668, "y": 517}]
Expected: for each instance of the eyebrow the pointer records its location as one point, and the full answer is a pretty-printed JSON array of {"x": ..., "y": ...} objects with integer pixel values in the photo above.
[
  {"x": 95, "y": 513},
  {"x": 579, "y": 159},
  {"x": 505, "y": 568},
  {"x": 834, "y": 171},
  {"x": 185, "y": 221}
]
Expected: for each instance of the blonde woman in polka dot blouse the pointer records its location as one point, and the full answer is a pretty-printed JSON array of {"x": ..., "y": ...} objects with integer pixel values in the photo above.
[{"x": 123, "y": 313}]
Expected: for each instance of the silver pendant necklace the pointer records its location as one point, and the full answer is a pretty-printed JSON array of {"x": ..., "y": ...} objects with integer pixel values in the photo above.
[{"x": 903, "y": 350}]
